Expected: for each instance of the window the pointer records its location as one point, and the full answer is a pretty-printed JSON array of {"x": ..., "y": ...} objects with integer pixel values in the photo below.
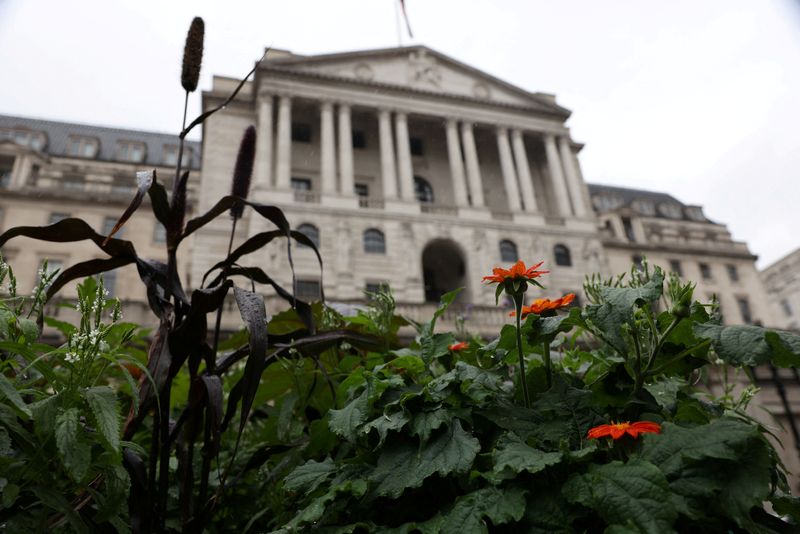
[
  {"x": 705, "y": 271},
  {"x": 628, "y": 226},
  {"x": 733, "y": 273},
  {"x": 170, "y": 156},
  {"x": 130, "y": 151},
  {"x": 744, "y": 309},
  {"x": 159, "y": 233},
  {"x": 34, "y": 140},
  {"x": 787, "y": 309},
  {"x": 361, "y": 190},
  {"x": 73, "y": 182},
  {"x": 609, "y": 228},
  {"x": 301, "y": 184},
  {"x": 311, "y": 232},
  {"x": 374, "y": 242},
  {"x": 124, "y": 185},
  {"x": 562, "y": 255},
  {"x": 638, "y": 262},
  {"x": 675, "y": 267},
  {"x": 508, "y": 251},
  {"x": 301, "y": 132},
  {"x": 359, "y": 139},
  {"x": 423, "y": 190},
  {"x": 83, "y": 147},
  {"x": 375, "y": 287},
  {"x": 6, "y": 166},
  {"x": 308, "y": 289},
  {"x": 417, "y": 147},
  {"x": 108, "y": 225},
  {"x": 55, "y": 217}
]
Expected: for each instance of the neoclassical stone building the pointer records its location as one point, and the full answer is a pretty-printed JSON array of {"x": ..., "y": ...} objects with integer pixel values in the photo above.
[
  {"x": 782, "y": 281},
  {"x": 408, "y": 168}
]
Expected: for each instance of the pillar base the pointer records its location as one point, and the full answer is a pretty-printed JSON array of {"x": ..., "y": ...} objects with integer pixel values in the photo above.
[
  {"x": 339, "y": 201},
  {"x": 401, "y": 206},
  {"x": 478, "y": 214},
  {"x": 533, "y": 219}
]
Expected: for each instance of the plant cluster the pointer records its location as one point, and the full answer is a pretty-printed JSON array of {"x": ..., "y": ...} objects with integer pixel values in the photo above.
[{"x": 573, "y": 419}]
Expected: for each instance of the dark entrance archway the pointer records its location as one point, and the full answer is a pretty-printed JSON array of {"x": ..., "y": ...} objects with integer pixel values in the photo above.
[{"x": 443, "y": 269}]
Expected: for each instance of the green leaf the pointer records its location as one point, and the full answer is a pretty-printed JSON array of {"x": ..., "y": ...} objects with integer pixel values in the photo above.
[
  {"x": 722, "y": 438},
  {"x": 785, "y": 347},
  {"x": 29, "y": 329},
  {"x": 307, "y": 477},
  {"x": 514, "y": 455},
  {"x": 387, "y": 422},
  {"x": 402, "y": 465},
  {"x": 10, "y": 494},
  {"x": 76, "y": 453},
  {"x": 103, "y": 402},
  {"x": 435, "y": 346},
  {"x": 617, "y": 307},
  {"x": 749, "y": 346},
  {"x": 500, "y": 506},
  {"x": 5, "y": 443},
  {"x": 8, "y": 391},
  {"x": 666, "y": 391},
  {"x": 622, "y": 494},
  {"x": 426, "y": 422},
  {"x": 285, "y": 416},
  {"x": 345, "y": 422},
  {"x": 410, "y": 362}
]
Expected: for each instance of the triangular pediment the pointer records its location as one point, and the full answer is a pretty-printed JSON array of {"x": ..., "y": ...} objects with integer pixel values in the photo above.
[{"x": 419, "y": 68}]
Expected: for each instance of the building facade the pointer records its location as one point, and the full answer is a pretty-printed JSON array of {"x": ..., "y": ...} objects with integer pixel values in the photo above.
[
  {"x": 782, "y": 282},
  {"x": 53, "y": 170},
  {"x": 409, "y": 169}
]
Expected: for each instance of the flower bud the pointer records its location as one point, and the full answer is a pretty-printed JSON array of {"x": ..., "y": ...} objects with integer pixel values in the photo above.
[
  {"x": 243, "y": 170},
  {"x": 193, "y": 55}
]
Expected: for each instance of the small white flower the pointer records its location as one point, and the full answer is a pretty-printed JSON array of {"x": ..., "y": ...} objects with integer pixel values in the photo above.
[{"x": 71, "y": 357}]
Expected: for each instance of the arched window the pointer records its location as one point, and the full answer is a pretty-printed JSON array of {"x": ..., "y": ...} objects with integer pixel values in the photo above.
[
  {"x": 374, "y": 242},
  {"x": 310, "y": 231},
  {"x": 508, "y": 251},
  {"x": 561, "y": 252},
  {"x": 423, "y": 190}
]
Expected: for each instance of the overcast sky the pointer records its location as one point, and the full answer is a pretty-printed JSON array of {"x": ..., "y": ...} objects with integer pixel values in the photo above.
[{"x": 697, "y": 99}]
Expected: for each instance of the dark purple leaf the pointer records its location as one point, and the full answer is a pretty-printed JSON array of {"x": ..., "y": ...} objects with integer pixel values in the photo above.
[
  {"x": 84, "y": 269},
  {"x": 254, "y": 315},
  {"x": 144, "y": 179}
]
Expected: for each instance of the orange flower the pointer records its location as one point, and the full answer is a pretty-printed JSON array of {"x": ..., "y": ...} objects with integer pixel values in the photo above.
[
  {"x": 518, "y": 271},
  {"x": 461, "y": 345},
  {"x": 617, "y": 430},
  {"x": 541, "y": 306},
  {"x": 135, "y": 371}
]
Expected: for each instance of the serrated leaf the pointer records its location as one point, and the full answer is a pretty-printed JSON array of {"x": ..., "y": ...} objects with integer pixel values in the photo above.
[
  {"x": 76, "y": 453},
  {"x": 634, "y": 493},
  {"x": 104, "y": 406},
  {"x": 426, "y": 422},
  {"x": 309, "y": 476},
  {"x": 665, "y": 391},
  {"x": 8, "y": 391},
  {"x": 403, "y": 466},
  {"x": 514, "y": 455},
  {"x": 617, "y": 306},
  {"x": 468, "y": 512},
  {"x": 5, "y": 443},
  {"x": 345, "y": 422},
  {"x": 721, "y": 438},
  {"x": 387, "y": 422}
]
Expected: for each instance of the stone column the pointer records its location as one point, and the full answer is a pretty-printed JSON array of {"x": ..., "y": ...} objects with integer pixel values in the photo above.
[
  {"x": 571, "y": 175},
  {"x": 283, "y": 163},
  {"x": 388, "y": 177},
  {"x": 507, "y": 167},
  {"x": 346, "y": 180},
  {"x": 263, "y": 172},
  {"x": 327, "y": 149},
  {"x": 557, "y": 175},
  {"x": 473, "y": 168},
  {"x": 404, "y": 166},
  {"x": 456, "y": 164},
  {"x": 523, "y": 171}
]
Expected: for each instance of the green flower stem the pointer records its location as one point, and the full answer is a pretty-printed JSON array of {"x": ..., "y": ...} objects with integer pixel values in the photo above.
[
  {"x": 522, "y": 379},
  {"x": 548, "y": 366},
  {"x": 637, "y": 364},
  {"x": 660, "y": 343}
]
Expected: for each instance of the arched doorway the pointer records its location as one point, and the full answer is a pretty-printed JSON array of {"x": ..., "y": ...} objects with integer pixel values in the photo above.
[{"x": 443, "y": 269}]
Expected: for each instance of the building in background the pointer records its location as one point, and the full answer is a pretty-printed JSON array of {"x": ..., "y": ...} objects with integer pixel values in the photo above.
[
  {"x": 782, "y": 281},
  {"x": 54, "y": 170},
  {"x": 408, "y": 168},
  {"x": 679, "y": 238}
]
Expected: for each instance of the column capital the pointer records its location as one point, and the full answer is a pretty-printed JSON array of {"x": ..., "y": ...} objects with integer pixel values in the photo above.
[
  {"x": 285, "y": 98},
  {"x": 343, "y": 105},
  {"x": 326, "y": 104}
]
